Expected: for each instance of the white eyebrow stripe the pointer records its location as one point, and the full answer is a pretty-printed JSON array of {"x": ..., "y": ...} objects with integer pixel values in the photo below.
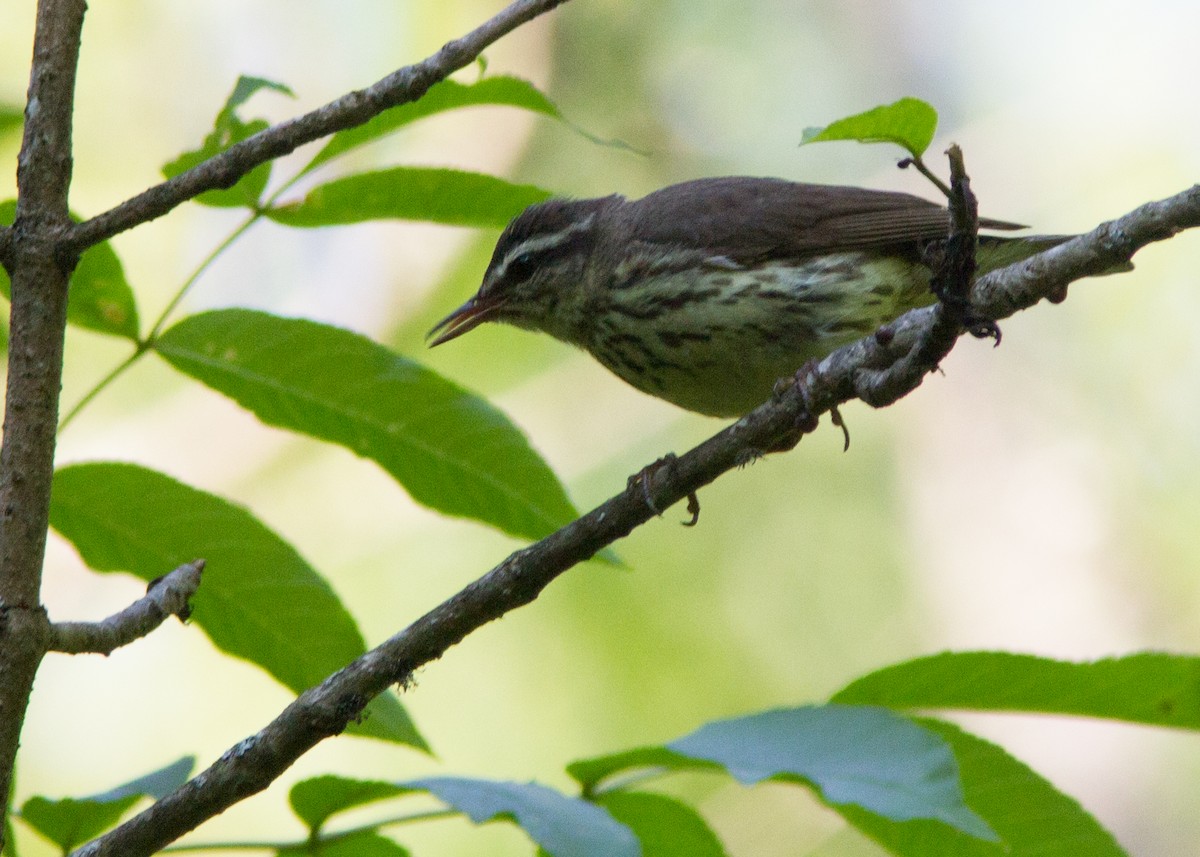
[{"x": 541, "y": 243}]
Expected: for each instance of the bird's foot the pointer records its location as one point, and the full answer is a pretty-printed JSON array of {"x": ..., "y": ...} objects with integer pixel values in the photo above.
[{"x": 645, "y": 476}]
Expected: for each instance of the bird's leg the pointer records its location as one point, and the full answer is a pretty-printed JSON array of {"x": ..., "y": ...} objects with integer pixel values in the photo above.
[
  {"x": 805, "y": 422},
  {"x": 645, "y": 476}
]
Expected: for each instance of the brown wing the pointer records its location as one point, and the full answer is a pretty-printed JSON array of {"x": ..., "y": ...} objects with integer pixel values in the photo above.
[{"x": 745, "y": 218}]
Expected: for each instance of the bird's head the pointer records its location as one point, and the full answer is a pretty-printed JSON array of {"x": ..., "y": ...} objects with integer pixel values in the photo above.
[{"x": 538, "y": 263}]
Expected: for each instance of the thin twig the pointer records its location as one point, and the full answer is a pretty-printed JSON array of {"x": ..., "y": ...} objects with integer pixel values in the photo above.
[{"x": 224, "y": 170}]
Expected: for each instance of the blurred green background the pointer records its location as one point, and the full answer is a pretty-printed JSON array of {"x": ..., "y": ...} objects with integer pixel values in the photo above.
[{"x": 1042, "y": 497}]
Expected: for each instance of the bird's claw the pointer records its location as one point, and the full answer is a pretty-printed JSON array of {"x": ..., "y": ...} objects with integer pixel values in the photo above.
[{"x": 643, "y": 478}]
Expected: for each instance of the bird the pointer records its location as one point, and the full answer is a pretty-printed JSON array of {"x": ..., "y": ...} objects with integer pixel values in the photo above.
[{"x": 707, "y": 292}]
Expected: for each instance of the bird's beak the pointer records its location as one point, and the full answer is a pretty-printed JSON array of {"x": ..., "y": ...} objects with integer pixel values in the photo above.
[{"x": 467, "y": 317}]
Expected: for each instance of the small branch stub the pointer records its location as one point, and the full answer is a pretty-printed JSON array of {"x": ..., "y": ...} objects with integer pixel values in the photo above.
[{"x": 169, "y": 595}]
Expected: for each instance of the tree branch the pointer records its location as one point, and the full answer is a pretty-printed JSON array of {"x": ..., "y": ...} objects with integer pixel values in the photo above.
[
  {"x": 859, "y": 370},
  {"x": 37, "y": 323},
  {"x": 167, "y": 596},
  {"x": 355, "y": 108}
]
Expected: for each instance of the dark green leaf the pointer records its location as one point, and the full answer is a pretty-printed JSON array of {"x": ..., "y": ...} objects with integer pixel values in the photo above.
[
  {"x": 247, "y": 85},
  {"x": 664, "y": 826},
  {"x": 1150, "y": 687},
  {"x": 451, "y": 450},
  {"x": 909, "y": 123},
  {"x": 563, "y": 826},
  {"x": 409, "y": 193},
  {"x": 868, "y": 757},
  {"x": 228, "y": 129},
  {"x": 1032, "y": 818},
  {"x": 100, "y": 298},
  {"x": 69, "y": 822},
  {"x": 259, "y": 599},
  {"x": 315, "y": 800},
  {"x": 156, "y": 784},
  {"x": 386, "y": 719},
  {"x": 443, "y": 96}
]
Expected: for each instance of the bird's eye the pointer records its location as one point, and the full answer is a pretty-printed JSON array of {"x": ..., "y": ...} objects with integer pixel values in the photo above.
[{"x": 520, "y": 267}]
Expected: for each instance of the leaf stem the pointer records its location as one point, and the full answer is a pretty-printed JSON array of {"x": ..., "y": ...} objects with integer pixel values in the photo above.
[
  {"x": 915, "y": 161},
  {"x": 237, "y": 233},
  {"x": 103, "y": 383},
  {"x": 144, "y": 345},
  {"x": 326, "y": 839}
]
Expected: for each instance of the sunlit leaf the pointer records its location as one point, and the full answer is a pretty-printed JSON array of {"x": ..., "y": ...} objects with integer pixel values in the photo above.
[
  {"x": 591, "y": 772},
  {"x": 409, "y": 193},
  {"x": 451, "y": 450},
  {"x": 316, "y": 799},
  {"x": 665, "y": 827},
  {"x": 100, "y": 298},
  {"x": 443, "y": 96},
  {"x": 360, "y": 843},
  {"x": 228, "y": 129},
  {"x": 11, "y": 118},
  {"x": 259, "y": 600},
  {"x": 1150, "y": 687},
  {"x": 909, "y": 123},
  {"x": 10, "y": 838}
]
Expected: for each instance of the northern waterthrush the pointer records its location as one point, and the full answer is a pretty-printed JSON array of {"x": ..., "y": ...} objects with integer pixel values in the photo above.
[{"x": 705, "y": 293}]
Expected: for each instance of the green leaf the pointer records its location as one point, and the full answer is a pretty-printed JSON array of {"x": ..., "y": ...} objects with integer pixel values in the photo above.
[
  {"x": 10, "y": 838},
  {"x": 316, "y": 799},
  {"x": 362, "y": 843},
  {"x": 100, "y": 298},
  {"x": 1150, "y": 687},
  {"x": 589, "y": 773},
  {"x": 452, "y": 451},
  {"x": 563, "y": 826},
  {"x": 156, "y": 784},
  {"x": 72, "y": 821},
  {"x": 867, "y": 757},
  {"x": 443, "y": 96},
  {"x": 229, "y": 129},
  {"x": 257, "y": 592},
  {"x": 11, "y": 118},
  {"x": 409, "y": 193},
  {"x": 664, "y": 826},
  {"x": 909, "y": 123},
  {"x": 1032, "y": 818}
]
